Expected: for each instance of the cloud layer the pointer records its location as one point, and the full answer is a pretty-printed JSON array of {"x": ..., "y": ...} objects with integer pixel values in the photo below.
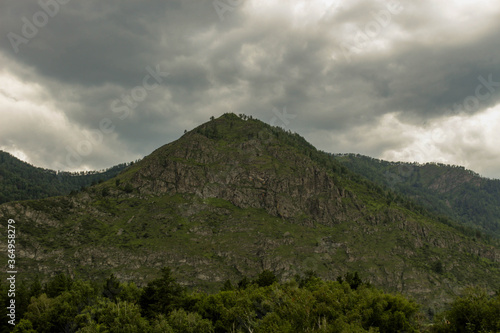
[{"x": 395, "y": 80}]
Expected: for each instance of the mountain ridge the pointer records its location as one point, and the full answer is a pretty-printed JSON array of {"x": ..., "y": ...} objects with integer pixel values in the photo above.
[
  {"x": 20, "y": 180},
  {"x": 235, "y": 196},
  {"x": 452, "y": 191}
]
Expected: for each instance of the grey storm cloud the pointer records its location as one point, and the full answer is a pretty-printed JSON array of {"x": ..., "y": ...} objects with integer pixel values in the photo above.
[{"x": 346, "y": 71}]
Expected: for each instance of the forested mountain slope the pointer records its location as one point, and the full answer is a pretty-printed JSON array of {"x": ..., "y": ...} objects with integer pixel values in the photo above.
[
  {"x": 22, "y": 181},
  {"x": 451, "y": 191},
  {"x": 234, "y": 197}
]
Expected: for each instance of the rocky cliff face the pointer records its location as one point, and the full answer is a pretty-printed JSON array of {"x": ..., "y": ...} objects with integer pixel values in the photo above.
[
  {"x": 251, "y": 174},
  {"x": 234, "y": 197}
]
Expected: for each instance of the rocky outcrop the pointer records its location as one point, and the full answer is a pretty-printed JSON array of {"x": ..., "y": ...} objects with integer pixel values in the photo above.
[{"x": 252, "y": 174}]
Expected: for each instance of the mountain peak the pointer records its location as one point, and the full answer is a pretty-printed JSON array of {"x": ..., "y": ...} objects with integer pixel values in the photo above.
[
  {"x": 229, "y": 126},
  {"x": 249, "y": 164}
]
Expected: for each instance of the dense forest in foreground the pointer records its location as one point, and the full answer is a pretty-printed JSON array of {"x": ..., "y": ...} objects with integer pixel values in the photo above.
[{"x": 303, "y": 304}]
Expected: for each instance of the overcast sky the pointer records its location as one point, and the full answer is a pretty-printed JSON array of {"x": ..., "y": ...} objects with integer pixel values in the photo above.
[{"x": 89, "y": 84}]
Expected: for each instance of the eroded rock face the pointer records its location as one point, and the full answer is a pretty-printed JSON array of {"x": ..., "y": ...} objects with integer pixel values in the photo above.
[{"x": 254, "y": 174}]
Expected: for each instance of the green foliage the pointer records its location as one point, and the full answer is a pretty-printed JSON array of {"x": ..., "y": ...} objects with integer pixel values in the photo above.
[
  {"x": 22, "y": 181},
  {"x": 128, "y": 188},
  {"x": 352, "y": 279},
  {"x": 438, "y": 267},
  {"x": 130, "y": 292},
  {"x": 160, "y": 295},
  {"x": 112, "y": 288},
  {"x": 105, "y": 192},
  {"x": 24, "y": 293},
  {"x": 209, "y": 130},
  {"x": 49, "y": 314},
  {"x": 474, "y": 311},
  {"x": 182, "y": 321},
  {"x": 266, "y": 278},
  {"x": 108, "y": 316},
  {"x": 319, "y": 307},
  {"x": 449, "y": 191},
  {"x": 160, "y": 325},
  {"x": 243, "y": 283},
  {"x": 309, "y": 304},
  {"x": 41, "y": 312},
  {"x": 389, "y": 313},
  {"x": 24, "y": 326},
  {"x": 228, "y": 286},
  {"x": 58, "y": 285},
  {"x": 36, "y": 287},
  {"x": 310, "y": 278}
]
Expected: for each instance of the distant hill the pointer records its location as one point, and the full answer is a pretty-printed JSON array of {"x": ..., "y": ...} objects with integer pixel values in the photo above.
[
  {"x": 234, "y": 197},
  {"x": 451, "y": 191},
  {"x": 22, "y": 181}
]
